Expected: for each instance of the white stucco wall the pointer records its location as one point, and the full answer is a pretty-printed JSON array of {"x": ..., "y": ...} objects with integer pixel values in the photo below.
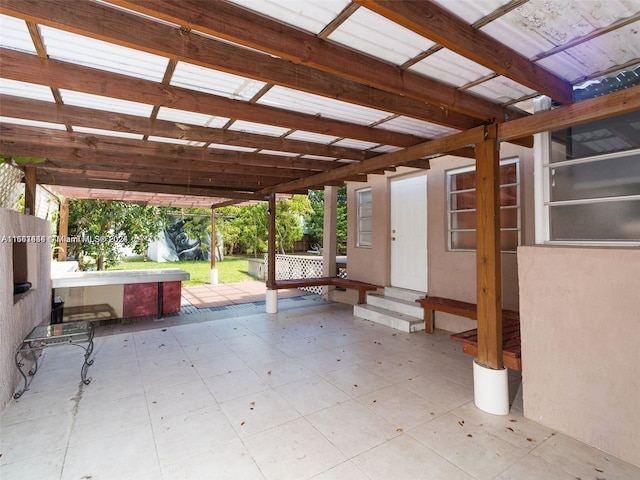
[
  {"x": 580, "y": 327},
  {"x": 19, "y": 314}
]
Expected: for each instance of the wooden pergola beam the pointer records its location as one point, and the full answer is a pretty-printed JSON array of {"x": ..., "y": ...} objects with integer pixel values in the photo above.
[
  {"x": 238, "y": 25},
  {"x": 438, "y": 24},
  {"x": 110, "y": 24},
  {"x": 42, "y": 111},
  {"x": 55, "y": 73}
]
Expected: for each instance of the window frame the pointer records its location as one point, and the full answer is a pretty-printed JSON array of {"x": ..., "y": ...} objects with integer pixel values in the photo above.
[
  {"x": 361, "y": 234},
  {"x": 547, "y": 168},
  {"x": 450, "y": 174}
]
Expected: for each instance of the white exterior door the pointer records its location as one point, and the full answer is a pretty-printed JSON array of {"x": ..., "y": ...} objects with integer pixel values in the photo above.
[{"x": 409, "y": 233}]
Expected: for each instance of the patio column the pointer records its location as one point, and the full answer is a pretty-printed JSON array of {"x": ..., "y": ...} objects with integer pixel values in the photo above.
[
  {"x": 329, "y": 244},
  {"x": 30, "y": 190},
  {"x": 491, "y": 391},
  {"x": 63, "y": 230},
  {"x": 213, "y": 275},
  {"x": 272, "y": 292}
]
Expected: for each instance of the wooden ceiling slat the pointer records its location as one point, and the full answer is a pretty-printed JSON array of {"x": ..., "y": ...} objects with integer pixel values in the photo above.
[{"x": 247, "y": 28}]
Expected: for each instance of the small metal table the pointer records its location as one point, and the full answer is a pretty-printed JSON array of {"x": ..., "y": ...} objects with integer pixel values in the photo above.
[{"x": 72, "y": 333}]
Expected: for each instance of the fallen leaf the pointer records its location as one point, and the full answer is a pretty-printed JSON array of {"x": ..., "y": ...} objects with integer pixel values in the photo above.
[
  {"x": 164, "y": 329},
  {"x": 598, "y": 470},
  {"x": 509, "y": 428},
  {"x": 461, "y": 423},
  {"x": 469, "y": 435},
  {"x": 529, "y": 439},
  {"x": 269, "y": 373},
  {"x": 399, "y": 430},
  {"x": 242, "y": 424},
  {"x": 355, "y": 385}
]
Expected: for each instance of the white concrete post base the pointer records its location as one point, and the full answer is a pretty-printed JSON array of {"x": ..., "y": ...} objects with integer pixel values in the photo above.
[
  {"x": 491, "y": 389},
  {"x": 272, "y": 301},
  {"x": 213, "y": 276}
]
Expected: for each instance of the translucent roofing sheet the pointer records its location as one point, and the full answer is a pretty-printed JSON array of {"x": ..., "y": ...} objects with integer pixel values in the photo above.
[
  {"x": 416, "y": 127},
  {"x": 108, "y": 133},
  {"x": 308, "y": 103},
  {"x": 368, "y": 32},
  {"x": 177, "y": 141},
  {"x": 309, "y": 15},
  {"x": 598, "y": 55},
  {"x": 501, "y": 89},
  {"x": 318, "y": 157},
  {"x": 26, "y": 90},
  {"x": 311, "y": 137},
  {"x": 77, "y": 49},
  {"x": 358, "y": 144},
  {"x": 220, "y": 146},
  {"x": 260, "y": 128},
  {"x": 449, "y": 67},
  {"x": 15, "y": 34},
  {"x": 277, "y": 152},
  {"x": 33, "y": 123},
  {"x": 386, "y": 149},
  {"x": 207, "y": 80},
  {"x": 109, "y": 104},
  {"x": 191, "y": 118},
  {"x": 472, "y": 10}
]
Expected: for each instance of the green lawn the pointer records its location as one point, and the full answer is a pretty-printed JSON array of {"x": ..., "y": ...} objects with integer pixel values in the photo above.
[{"x": 230, "y": 270}]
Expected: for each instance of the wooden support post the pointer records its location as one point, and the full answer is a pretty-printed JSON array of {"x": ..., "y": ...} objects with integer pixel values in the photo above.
[
  {"x": 488, "y": 261},
  {"x": 271, "y": 252},
  {"x": 30, "y": 190},
  {"x": 63, "y": 230},
  {"x": 214, "y": 244}
]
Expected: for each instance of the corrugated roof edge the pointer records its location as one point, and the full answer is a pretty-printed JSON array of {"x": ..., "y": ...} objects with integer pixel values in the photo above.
[{"x": 624, "y": 79}]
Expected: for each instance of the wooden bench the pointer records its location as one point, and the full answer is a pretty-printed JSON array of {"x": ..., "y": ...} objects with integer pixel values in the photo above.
[
  {"x": 510, "y": 327},
  {"x": 362, "y": 287}
]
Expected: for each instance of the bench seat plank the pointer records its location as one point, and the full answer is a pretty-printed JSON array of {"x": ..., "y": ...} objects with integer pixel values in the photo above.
[
  {"x": 511, "y": 354},
  {"x": 361, "y": 287}
]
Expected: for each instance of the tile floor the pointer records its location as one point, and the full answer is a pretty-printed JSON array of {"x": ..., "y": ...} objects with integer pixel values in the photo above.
[{"x": 308, "y": 393}]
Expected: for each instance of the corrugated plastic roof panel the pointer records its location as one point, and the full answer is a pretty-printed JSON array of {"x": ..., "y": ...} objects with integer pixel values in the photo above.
[
  {"x": 357, "y": 144},
  {"x": 177, "y": 141},
  {"x": 97, "y": 102},
  {"x": 501, "y": 89},
  {"x": 15, "y": 34},
  {"x": 81, "y": 50},
  {"x": 260, "y": 128},
  {"x": 472, "y": 10},
  {"x": 221, "y": 146},
  {"x": 311, "y": 137},
  {"x": 26, "y": 90},
  {"x": 207, "y": 80},
  {"x": 309, "y": 15},
  {"x": 308, "y": 103},
  {"x": 278, "y": 152},
  {"x": 449, "y": 67},
  {"x": 33, "y": 123},
  {"x": 191, "y": 118},
  {"x": 108, "y": 133},
  {"x": 416, "y": 127},
  {"x": 598, "y": 55},
  {"x": 391, "y": 42}
]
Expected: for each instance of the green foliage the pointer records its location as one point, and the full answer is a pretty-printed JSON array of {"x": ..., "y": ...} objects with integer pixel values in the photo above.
[
  {"x": 197, "y": 226},
  {"x": 100, "y": 229},
  {"x": 19, "y": 160},
  {"x": 315, "y": 221},
  {"x": 230, "y": 270},
  {"x": 245, "y": 228}
]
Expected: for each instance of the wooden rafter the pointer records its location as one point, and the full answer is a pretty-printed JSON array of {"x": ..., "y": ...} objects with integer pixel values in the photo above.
[
  {"x": 432, "y": 21},
  {"x": 109, "y": 24},
  {"x": 244, "y": 27}
]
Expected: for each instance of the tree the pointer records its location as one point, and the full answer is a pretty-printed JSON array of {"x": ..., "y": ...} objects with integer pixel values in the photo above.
[
  {"x": 315, "y": 220},
  {"x": 100, "y": 229}
]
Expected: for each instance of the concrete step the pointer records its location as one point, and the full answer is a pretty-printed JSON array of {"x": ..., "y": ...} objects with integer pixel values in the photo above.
[
  {"x": 403, "y": 293},
  {"x": 406, "y": 307},
  {"x": 399, "y": 321}
]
